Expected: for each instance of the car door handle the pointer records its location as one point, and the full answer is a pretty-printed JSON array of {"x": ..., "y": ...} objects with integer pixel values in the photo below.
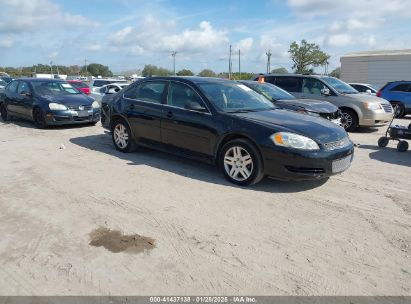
[
  {"x": 169, "y": 114},
  {"x": 131, "y": 107}
]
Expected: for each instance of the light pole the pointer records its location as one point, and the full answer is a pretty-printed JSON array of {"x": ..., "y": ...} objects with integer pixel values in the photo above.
[
  {"x": 174, "y": 53},
  {"x": 268, "y": 61},
  {"x": 230, "y": 65},
  {"x": 51, "y": 67},
  {"x": 239, "y": 63}
]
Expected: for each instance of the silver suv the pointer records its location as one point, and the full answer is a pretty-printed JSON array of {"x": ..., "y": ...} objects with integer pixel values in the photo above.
[{"x": 358, "y": 109}]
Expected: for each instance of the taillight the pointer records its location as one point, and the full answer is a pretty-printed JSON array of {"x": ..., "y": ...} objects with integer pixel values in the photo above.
[{"x": 379, "y": 93}]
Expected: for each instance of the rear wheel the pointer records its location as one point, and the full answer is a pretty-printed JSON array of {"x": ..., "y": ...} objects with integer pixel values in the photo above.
[
  {"x": 241, "y": 162},
  {"x": 399, "y": 110},
  {"x": 39, "y": 119},
  {"x": 402, "y": 146},
  {"x": 3, "y": 112},
  {"x": 349, "y": 120},
  {"x": 383, "y": 142},
  {"x": 121, "y": 135}
]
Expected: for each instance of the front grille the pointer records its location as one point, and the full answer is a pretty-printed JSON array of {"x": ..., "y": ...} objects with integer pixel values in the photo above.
[
  {"x": 343, "y": 164},
  {"x": 300, "y": 170},
  {"x": 387, "y": 108},
  {"x": 76, "y": 108},
  {"x": 331, "y": 116},
  {"x": 337, "y": 144}
]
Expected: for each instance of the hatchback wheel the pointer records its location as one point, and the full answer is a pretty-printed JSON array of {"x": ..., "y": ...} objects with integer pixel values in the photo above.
[
  {"x": 3, "y": 112},
  {"x": 241, "y": 162},
  {"x": 39, "y": 119},
  {"x": 349, "y": 120},
  {"x": 399, "y": 110},
  {"x": 122, "y": 138}
]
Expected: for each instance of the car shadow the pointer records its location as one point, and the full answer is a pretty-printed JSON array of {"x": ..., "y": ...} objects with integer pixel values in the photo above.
[
  {"x": 365, "y": 130},
  {"x": 30, "y": 125},
  {"x": 186, "y": 167},
  {"x": 389, "y": 154}
]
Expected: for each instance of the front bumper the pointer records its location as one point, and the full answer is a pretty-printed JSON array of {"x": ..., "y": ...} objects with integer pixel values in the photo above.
[
  {"x": 375, "y": 118},
  {"x": 72, "y": 117},
  {"x": 305, "y": 165}
]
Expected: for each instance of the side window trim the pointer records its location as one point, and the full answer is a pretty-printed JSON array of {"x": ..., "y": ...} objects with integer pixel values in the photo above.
[
  {"x": 144, "y": 82},
  {"x": 188, "y": 85}
]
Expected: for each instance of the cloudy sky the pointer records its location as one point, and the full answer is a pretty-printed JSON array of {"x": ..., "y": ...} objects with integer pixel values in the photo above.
[{"x": 126, "y": 34}]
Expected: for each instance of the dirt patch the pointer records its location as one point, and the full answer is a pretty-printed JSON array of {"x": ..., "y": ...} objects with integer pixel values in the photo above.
[{"x": 115, "y": 241}]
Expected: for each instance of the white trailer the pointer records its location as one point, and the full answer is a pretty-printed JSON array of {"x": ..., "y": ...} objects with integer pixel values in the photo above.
[{"x": 376, "y": 67}]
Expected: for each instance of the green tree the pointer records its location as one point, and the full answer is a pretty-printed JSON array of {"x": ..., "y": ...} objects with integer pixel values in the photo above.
[
  {"x": 185, "y": 72},
  {"x": 152, "y": 70},
  {"x": 207, "y": 73},
  {"x": 279, "y": 71},
  {"x": 96, "y": 69},
  {"x": 336, "y": 72},
  {"x": 306, "y": 56}
]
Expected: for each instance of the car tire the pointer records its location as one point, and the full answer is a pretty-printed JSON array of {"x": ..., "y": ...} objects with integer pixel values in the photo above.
[
  {"x": 39, "y": 119},
  {"x": 402, "y": 146},
  {"x": 241, "y": 162},
  {"x": 349, "y": 120},
  {"x": 122, "y": 136},
  {"x": 383, "y": 142},
  {"x": 4, "y": 113},
  {"x": 399, "y": 110}
]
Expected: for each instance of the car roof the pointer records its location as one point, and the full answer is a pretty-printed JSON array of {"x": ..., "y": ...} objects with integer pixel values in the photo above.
[
  {"x": 40, "y": 79},
  {"x": 359, "y": 83},
  {"x": 293, "y": 75},
  {"x": 194, "y": 79}
]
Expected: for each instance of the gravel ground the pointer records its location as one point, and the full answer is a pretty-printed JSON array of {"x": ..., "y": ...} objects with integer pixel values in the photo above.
[{"x": 79, "y": 218}]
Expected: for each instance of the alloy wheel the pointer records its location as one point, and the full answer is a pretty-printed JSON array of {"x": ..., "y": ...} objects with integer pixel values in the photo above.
[
  {"x": 238, "y": 163},
  {"x": 121, "y": 136},
  {"x": 346, "y": 120}
]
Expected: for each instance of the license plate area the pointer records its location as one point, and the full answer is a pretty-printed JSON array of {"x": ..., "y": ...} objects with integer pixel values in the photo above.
[
  {"x": 82, "y": 113},
  {"x": 342, "y": 164}
]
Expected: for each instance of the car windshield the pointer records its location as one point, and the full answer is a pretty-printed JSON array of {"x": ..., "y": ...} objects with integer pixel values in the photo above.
[
  {"x": 339, "y": 85},
  {"x": 234, "y": 97},
  {"x": 270, "y": 91},
  {"x": 53, "y": 88},
  {"x": 79, "y": 84}
]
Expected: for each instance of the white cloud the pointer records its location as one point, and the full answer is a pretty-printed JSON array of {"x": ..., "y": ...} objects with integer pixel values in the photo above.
[
  {"x": 6, "y": 43},
  {"x": 339, "y": 40},
  {"x": 53, "y": 55},
  {"x": 94, "y": 47},
  {"x": 245, "y": 45}
]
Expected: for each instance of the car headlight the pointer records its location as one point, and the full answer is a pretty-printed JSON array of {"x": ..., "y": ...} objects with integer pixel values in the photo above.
[
  {"x": 291, "y": 140},
  {"x": 96, "y": 105},
  {"x": 372, "y": 106},
  {"x": 57, "y": 106}
]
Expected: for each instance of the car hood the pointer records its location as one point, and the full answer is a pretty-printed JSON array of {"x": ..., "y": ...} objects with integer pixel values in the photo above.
[
  {"x": 69, "y": 99},
  {"x": 312, "y": 105},
  {"x": 367, "y": 98},
  {"x": 319, "y": 129}
]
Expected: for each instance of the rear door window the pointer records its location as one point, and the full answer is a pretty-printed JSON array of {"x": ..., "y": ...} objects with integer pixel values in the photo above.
[
  {"x": 403, "y": 87},
  {"x": 312, "y": 86},
  {"x": 12, "y": 87},
  {"x": 100, "y": 83},
  {"x": 23, "y": 87},
  {"x": 150, "y": 91},
  {"x": 290, "y": 84}
]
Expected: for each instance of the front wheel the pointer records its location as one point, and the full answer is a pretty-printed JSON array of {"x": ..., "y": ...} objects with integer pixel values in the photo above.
[
  {"x": 383, "y": 142},
  {"x": 241, "y": 162},
  {"x": 349, "y": 120},
  {"x": 39, "y": 119},
  {"x": 121, "y": 135}
]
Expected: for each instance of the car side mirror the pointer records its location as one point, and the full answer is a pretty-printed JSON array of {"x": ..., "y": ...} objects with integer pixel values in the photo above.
[
  {"x": 194, "y": 106},
  {"x": 325, "y": 92},
  {"x": 26, "y": 93},
  {"x": 368, "y": 91}
]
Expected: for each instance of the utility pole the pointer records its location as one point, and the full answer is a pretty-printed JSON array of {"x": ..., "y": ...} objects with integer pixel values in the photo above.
[
  {"x": 85, "y": 64},
  {"x": 268, "y": 61},
  {"x": 239, "y": 63},
  {"x": 51, "y": 67},
  {"x": 174, "y": 53},
  {"x": 230, "y": 64}
]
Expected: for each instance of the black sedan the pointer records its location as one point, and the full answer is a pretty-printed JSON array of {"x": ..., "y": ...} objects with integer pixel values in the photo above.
[
  {"x": 48, "y": 102},
  {"x": 285, "y": 100},
  {"x": 226, "y": 123}
]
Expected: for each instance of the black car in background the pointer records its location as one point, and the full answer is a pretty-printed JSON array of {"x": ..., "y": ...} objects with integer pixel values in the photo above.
[
  {"x": 285, "y": 100},
  {"x": 48, "y": 102},
  {"x": 226, "y": 123}
]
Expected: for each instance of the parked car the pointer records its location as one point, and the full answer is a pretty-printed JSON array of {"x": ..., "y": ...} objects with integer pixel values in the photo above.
[
  {"x": 364, "y": 88},
  {"x": 48, "y": 102},
  {"x": 6, "y": 79},
  {"x": 96, "y": 84},
  {"x": 226, "y": 123},
  {"x": 2, "y": 85},
  {"x": 285, "y": 100},
  {"x": 108, "y": 89},
  {"x": 80, "y": 85},
  {"x": 398, "y": 93},
  {"x": 357, "y": 109}
]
